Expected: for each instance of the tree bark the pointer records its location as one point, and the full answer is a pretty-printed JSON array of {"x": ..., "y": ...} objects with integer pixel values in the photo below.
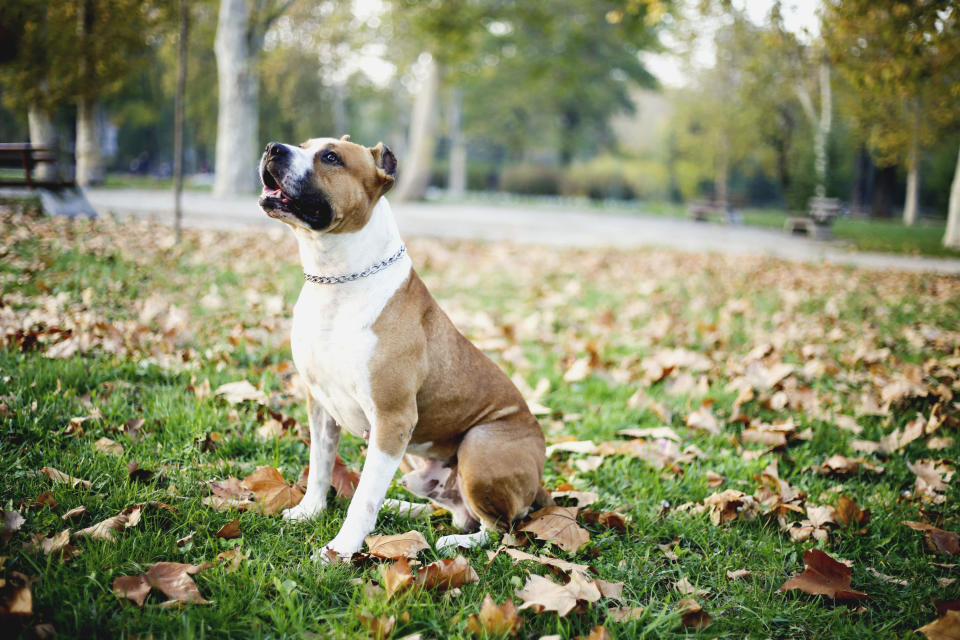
[
  {"x": 237, "y": 135},
  {"x": 913, "y": 186},
  {"x": 42, "y": 134},
  {"x": 951, "y": 238},
  {"x": 89, "y": 160},
  {"x": 457, "y": 170},
  {"x": 415, "y": 179},
  {"x": 824, "y": 124},
  {"x": 178, "y": 109}
]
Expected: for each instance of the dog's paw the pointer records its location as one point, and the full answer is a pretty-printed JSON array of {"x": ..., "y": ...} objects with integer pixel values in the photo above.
[
  {"x": 449, "y": 544},
  {"x": 304, "y": 511},
  {"x": 336, "y": 551}
]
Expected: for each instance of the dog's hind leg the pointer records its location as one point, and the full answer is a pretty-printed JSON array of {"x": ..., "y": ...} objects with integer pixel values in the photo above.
[
  {"x": 324, "y": 437},
  {"x": 438, "y": 481}
]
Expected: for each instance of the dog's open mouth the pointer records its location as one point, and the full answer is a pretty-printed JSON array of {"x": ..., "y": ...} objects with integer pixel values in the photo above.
[{"x": 273, "y": 198}]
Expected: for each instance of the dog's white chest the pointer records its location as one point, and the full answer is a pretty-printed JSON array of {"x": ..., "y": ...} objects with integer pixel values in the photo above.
[{"x": 333, "y": 341}]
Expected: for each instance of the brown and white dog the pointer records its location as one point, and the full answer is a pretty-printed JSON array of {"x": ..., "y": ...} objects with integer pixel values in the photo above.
[{"x": 381, "y": 360}]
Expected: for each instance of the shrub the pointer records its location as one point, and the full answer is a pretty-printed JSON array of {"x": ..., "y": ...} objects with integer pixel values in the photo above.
[
  {"x": 609, "y": 176},
  {"x": 531, "y": 179}
]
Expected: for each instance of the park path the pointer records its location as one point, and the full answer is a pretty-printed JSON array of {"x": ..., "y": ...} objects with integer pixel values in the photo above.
[{"x": 553, "y": 226}]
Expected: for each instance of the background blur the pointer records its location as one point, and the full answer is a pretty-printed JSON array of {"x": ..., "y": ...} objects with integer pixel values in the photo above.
[{"x": 759, "y": 103}]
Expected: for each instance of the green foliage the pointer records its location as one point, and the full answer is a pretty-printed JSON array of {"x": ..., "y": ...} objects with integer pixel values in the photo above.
[{"x": 612, "y": 177}]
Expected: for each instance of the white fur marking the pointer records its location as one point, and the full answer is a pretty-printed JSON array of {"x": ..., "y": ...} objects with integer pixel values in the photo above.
[
  {"x": 324, "y": 436},
  {"x": 408, "y": 509},
  {"x": 449, "y": 544}
]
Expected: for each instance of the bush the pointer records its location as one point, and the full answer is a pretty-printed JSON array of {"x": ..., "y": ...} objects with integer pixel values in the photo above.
[
  {"x": 610, "y": 177},
  {"x": 530, "y": 179}
]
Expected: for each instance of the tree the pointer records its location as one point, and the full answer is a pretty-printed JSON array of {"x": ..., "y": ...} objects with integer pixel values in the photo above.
[
  {"x": 241, "y": 29},
  {"x": 897, "y": 57}
]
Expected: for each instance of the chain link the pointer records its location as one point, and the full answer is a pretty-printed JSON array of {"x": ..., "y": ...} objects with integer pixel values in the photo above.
[{"x": 369, "y": 271}]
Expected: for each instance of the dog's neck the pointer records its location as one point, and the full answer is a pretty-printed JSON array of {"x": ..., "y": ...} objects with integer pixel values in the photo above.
[{"x": 335, "y": 254}]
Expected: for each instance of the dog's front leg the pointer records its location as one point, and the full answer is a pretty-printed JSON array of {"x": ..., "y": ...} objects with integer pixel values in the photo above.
[
  {"x": 388, "y": 442},
  {"x": 324, "y": 437}
]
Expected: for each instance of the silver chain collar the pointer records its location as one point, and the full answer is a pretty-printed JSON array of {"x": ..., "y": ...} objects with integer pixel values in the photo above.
[{"x": 369, "y": 271}]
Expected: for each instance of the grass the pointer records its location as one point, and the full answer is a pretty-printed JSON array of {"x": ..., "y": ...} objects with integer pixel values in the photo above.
[{"x": 535, "y": 311}]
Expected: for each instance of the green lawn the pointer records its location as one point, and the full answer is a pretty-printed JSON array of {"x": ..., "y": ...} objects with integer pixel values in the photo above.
[{"x": 142, "y": 324}]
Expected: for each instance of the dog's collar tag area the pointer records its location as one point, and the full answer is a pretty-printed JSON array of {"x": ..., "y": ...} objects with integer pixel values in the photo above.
[{"x": 369, "y": 271}]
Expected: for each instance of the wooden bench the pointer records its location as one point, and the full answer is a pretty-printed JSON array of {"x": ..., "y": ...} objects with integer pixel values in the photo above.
[
  {"x": 707, "y": 210},
  {"x": 26, "y": 157},
  {"x": 816, "y": 224}
]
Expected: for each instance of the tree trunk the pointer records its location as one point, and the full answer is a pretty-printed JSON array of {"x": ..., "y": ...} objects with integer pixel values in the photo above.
[
  {"x": 883, "y": 184},
  {"x": 178, "y": 120},
  {"x": 89, "y": 161},
  {"x": 42, "y": 134},
  {"x": 913, "y": 186},
  {"x": 860, "y": 192},
  {"x": 457, "y": 174},
  {"x": 720, "y": 193},
  {"x": 415, "y": 178},
  {"x": 568, "y": 136},
  {"x": 951, "y": 238},
  {"x": 824, "y": 123},
  {"x": 237, "y": 135}
]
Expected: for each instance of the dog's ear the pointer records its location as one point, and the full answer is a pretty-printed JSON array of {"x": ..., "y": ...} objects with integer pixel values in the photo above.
[
  {"x": 386, "y": 165},
  {"x": 345, "y": 137}
]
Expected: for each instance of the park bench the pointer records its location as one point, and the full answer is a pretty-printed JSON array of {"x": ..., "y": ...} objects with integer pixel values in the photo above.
[
  {"x": 58, "y": 196},
  {"x": 707, "y": 210},
  {"x": 816, "y": 224},
  {"x": 26, "y": 157}
]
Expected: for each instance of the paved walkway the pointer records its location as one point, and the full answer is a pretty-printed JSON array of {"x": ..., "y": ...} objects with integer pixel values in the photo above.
[{"x": 556, "y": 226}]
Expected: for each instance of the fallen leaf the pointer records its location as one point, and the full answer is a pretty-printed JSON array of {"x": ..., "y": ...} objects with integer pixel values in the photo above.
[
  {"x": 597, "y": 633},
  {"x": 729, "y": 505},
  {"x": 704, "y": 420},
  {"x": 944, "y": 628},
  {"x": 581, "y": 446},
  {"x": 16, "y": 597},
  {"x": 240, "y": 391},
  {"x": 405, "y": 544},
  {"x": 850, "y": 514},
  {"x": 173, "y": 579},
  {"x": 127, "y": 518},
  {"x": 943, "y": 541},
  {"x": 714, "y": 479},
  {"x": 396, "y": 577},
  {"x": 58, "y": 544},
  {"x": 59, "y": 476},
  {"x": 272, "y": 492},
  {"x": 842, "y": 465},
  {"x": 519, "y": 556},
  {"x": 685, "y": 588},
  {"x": 494, "y": 620},
  {"x": 692, "y": 614},
  {"x": 135, "y": 473},
  {"x": 578, "y": 371},
  {"x": 230, "y": 530},
  {"x": 185, "y": 539},
  {"x": 107, "y": 446},
  {"x": 651, "y": 433},
  {"x": 582, "y": 498},
  {"x": 12, "y": 521},
  {"x": 449, "y": 573},
  {"x": 889, "y": 579},
  {"x": 557, "y": 525},
  {"x": 75, "y": 513},
  {"x": 135, "y": 588},
  {"x": 823, "y": 575},
  {"x": 270, "y": 429},
  {"x": 343, "y": 480},
  {"x": 625, "y": 614},
  {"x": 541, "y": 594},
  {"x": 229, "y": 494},
  {"x": 45, "y": 499},
  {"x": 379, "y": 626},
  {"x": 232, "y": 558},
  {"x": 933, "y": 478},
  {"x": 738, "y": 574}
]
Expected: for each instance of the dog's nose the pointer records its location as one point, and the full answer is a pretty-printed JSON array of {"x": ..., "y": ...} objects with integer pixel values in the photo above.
[{"x": 275, "y": 149}]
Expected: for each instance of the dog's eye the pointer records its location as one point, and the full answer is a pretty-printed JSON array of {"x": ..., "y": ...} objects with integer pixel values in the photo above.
[{"x": 329, "y": 157}]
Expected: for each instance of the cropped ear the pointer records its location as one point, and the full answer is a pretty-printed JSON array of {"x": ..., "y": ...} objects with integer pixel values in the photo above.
[
  {"x": 345, "y": 137},
  {"x": 386, "y": 164}
]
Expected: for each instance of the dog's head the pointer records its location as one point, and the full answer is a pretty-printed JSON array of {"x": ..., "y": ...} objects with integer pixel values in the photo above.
[{"x": 325, "y": 184}]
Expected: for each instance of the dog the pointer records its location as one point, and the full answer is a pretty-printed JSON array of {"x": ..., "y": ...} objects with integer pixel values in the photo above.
[{"x": 380, "y": 359}]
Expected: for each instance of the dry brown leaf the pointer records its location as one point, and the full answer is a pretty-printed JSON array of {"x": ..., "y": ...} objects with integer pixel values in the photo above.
[
  {"x": 12, "y": 521},
  {"x": 173, "y": 579},
  {"x": 842, "y": 465},
  {"x": 518, "y": 556},
  {"x": 229, "y": 494},
  {"x": 588, "y": 464},
  {"x": 597, "y": 633},
  {"x": 625, "y": 614},
  {"x": 107, "y": 446},
  {"x": 850, "y": 514},
  {"x": 738, "y": 574},
  {"x": 127, "y": 518},
  {"x": 933, "y": 478},
  {"x": 135, "y": 588},
  {"x": 75, "y": 513},
  {"x": 58, "y": 544},
  {"x": 692, "y": 614},
  {"x": 583, "y": 498},
  {"x": 542, "y": 594},
  {"x": 60, "y": 476},
  {"x": 449, "y": 573},
  {"x": 232, "y": 558},
  {"x": 889, "y": 579},
  {"x": 825, "y": 576},
  {"x": 494, "y": 619},
  {"x": 946, "y": 627},
  {"x": 396, "y": 577},
  {"x": 270, "y": 429},
  {"x": 685, "y": 588},
  {"x": 344, "y": 480},
  {"x": 240, "y": 391},
  {"x": 405, "y": 544},
  {"x": 16, "y": 597},
  {"x": 729, "y": 505},
  {"x": 379, "y": 626},
  {"x": 704, "y": 420},
  {"x": 272, "y": 492},
  {"x": 557, "y": 525},
  {"x": 230, "y": 530},
  {"x": 943, "y": 541},
  {"x": 578, "y": 371},
  {"x": 714, "y": 479},
  {"x": 580, "y": 446},
  {"x": 651, "y": 433}
]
